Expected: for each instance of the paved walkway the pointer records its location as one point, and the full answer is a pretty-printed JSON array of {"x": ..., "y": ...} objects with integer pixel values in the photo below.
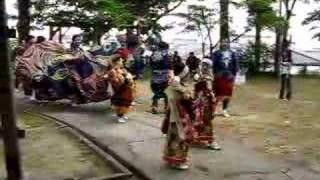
[{"x": 140, "y": 143}]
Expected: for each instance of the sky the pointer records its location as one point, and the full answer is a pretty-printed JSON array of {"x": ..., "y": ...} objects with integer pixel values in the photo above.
[{"x": 302, "y": 37}]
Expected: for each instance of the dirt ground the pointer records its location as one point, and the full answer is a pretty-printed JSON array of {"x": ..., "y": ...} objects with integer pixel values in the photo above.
[
  {"x": 50, "y": 152},
  {"x": 289, "y": 130}
]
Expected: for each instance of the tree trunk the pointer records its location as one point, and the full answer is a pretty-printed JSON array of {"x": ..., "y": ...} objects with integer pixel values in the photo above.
[
  {"x": 203, "y": 44},
  {"x": 277, "y": 52},
  {"x": 52, "y": 32},
  {"x": 60, "y": 34},
  {"x": 224, "y": 20},
  {"x": 257, "y": 49},
  {"x": 7, "y": 110},
  {"x": 210, "y": 42},
  {"x": 24, "y": 19}
]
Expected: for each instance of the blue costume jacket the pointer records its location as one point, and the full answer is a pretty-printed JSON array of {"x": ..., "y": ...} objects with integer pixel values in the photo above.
[
  {"x": 220, "y": 68},
  {"x": 160, "y": 65}
]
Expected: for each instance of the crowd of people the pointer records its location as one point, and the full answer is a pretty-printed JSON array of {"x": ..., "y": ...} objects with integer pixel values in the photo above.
[
  {"x": 48, "y": 71},
  {"x": 191, "y": 89}
]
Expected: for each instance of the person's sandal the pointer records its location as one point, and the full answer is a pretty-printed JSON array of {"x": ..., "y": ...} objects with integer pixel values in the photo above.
[
  {"x": 181, "y": 166},
  {"x": 214, "y": 146}
]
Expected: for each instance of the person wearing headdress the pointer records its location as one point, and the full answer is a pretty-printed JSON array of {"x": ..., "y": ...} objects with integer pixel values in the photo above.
[
  {"x": 160, "y": 66},
  {"x": 178, "y": 125},
  {"x": 204, "y": 107},
  {"x": 225, "y": 68},
  {"x": 122, "y": 84}
]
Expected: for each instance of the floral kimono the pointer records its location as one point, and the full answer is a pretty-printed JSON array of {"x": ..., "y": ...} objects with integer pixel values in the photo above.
[
  {"x": 178, "y": 125},
  {"x": 204, "y": 107}
]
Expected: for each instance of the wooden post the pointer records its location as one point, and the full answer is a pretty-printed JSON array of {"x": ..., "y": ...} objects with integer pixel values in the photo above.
[{"x": 7, "y": 110}]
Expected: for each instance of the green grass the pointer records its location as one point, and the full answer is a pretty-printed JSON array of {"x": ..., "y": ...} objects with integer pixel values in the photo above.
[
  {"x": 288, "y": 129},
  {"x": 50, "y": 152}
]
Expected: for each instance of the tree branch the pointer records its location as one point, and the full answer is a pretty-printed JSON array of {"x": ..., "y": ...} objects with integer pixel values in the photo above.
[{"x": 168, "y": 11}]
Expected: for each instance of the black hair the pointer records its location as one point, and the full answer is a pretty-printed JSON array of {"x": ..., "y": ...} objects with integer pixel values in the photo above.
[
  {"x": 75, "y": 36},
  {"x": 28, "y": 38},
  {"x": 132, "y": 41},
  {"x": 163, "y": 45},
  {"x": 40, "y": 39},
  {"x": 286, "y": 43}
]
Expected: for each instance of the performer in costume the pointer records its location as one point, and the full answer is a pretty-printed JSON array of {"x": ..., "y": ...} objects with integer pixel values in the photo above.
[
  {"x": 178, "y": 123},
  {"x": 122, "y": 83},
  {"x": 205, "y": 105},
  {"x": 19, "y": 51},
  {"x": 160, "y": 65},
  {"x": 79, "y": 67},
  {"x": 225, "y": 66}
]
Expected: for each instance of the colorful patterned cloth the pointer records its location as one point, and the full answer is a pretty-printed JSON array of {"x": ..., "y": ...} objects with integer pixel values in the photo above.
[
  {"x": 204, "y": 106},
  {"x": 34, "y": 62},
  {"x": 123, "y": 86},
  {"x": 178, "y": 126}
]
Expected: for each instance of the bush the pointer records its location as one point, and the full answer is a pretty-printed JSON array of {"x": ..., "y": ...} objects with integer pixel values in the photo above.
[{"x": 250, "y": 61}]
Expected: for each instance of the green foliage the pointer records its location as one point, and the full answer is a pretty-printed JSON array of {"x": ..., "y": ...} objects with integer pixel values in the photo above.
[
  {"x": 102, "y": 15},
  {"x": 313, "y": 18},
  {"x": 262, "y": 13},
  {"x": 250, "y": 60},
  {"x": 118, "y": 10},
  {"x": 85, "y": 14},
  {"x": 151, "y": 11}
]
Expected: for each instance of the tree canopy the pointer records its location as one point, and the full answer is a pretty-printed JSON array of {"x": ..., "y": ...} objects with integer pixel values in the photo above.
[
  {"x": 84, "y": 14},
  {"x": 99, "y": 16},
  {"x": 314, "y": 18},
  {"x": 201, "y": 19}
]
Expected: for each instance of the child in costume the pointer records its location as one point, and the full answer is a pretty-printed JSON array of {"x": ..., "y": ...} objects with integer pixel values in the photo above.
[
  {"x": 178, "y": 123},
  {"x": 205, "y": 105},
  {"x": 122, "y": 84}
]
